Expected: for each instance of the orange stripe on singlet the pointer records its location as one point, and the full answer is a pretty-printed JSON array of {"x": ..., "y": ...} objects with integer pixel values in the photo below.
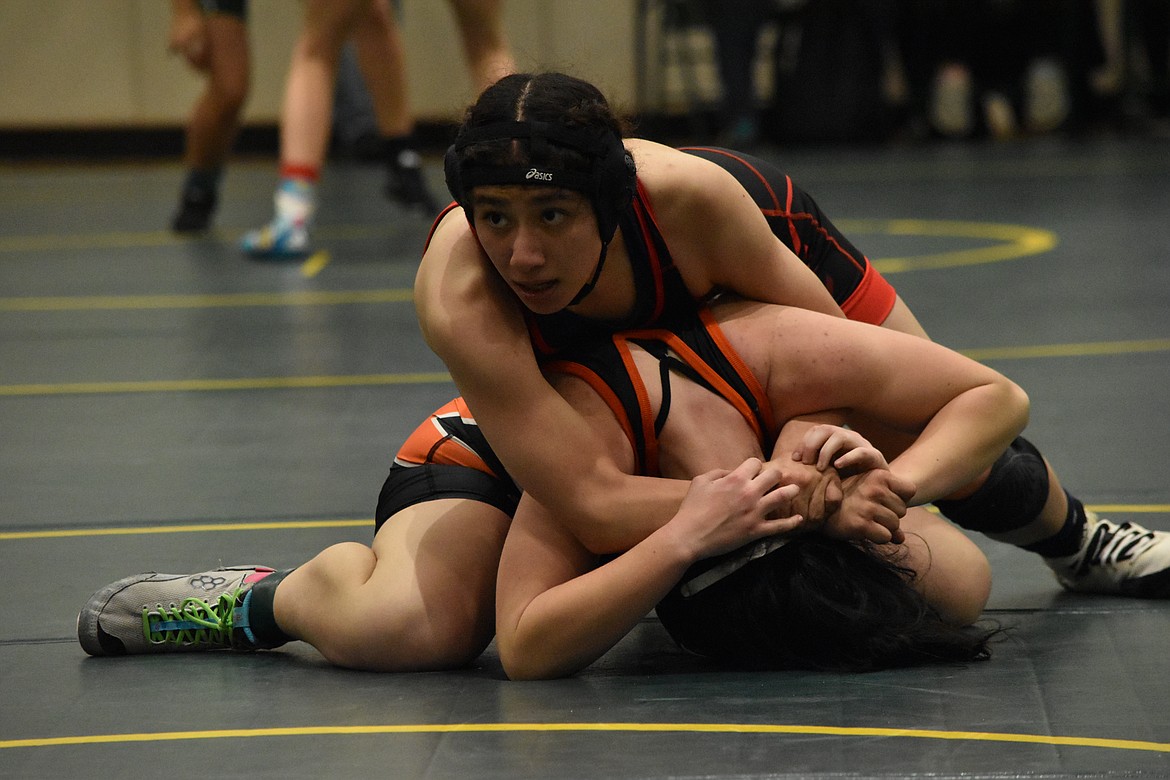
[
  {"x": 431, "y": 443},
  {"x": 721, "y": 386},
  {"x": 648, "y": 465}
]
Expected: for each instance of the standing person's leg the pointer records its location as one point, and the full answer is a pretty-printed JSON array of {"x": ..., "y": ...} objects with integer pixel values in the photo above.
[
  {"x": 485, "y": 47},
  {"x": 355, "y": 130},
  {"x": 381, "y": 56},
  {"x": 214, "y": 121},
  {"x": 305, "y": 123}
]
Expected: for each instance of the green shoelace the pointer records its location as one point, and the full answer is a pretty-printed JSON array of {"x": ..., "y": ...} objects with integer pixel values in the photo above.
[{"x": 193, "y": 622}]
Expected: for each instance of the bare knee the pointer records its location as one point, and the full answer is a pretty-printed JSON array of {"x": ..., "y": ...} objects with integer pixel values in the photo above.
[{"x": 231, "y": 93}]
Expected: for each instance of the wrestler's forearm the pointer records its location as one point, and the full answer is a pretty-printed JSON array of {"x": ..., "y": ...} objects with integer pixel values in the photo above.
[
  {"x": 613, "y": 512},
  {"x": 571, "y": 625},
  {"x": 962, "y": 440}
]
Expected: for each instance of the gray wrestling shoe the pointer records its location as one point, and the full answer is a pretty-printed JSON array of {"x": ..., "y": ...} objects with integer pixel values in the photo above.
[
  {"x": 1121, "y": 559},
  {"x": 158, "y": 613}
]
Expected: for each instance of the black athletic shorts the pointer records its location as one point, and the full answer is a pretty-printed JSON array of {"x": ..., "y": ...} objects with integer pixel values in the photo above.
[{"x": 409, "y": 485}]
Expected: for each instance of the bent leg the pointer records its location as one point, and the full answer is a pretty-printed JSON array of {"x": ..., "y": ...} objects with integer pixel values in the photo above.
[
  {"x": 902, "y": 319},
  {"x": 423, "y": 597}
]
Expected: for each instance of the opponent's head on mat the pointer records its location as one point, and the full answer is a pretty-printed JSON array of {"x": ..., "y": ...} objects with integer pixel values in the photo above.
[{"x": 812, "y": 602}]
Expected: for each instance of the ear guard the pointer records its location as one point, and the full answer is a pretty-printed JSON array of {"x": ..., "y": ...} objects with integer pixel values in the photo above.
[{"x": 609, "y": 183}]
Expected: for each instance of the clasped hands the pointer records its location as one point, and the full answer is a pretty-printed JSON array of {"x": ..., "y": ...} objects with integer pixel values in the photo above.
[
  {"x": 837, "y": 461},
  {"x": 836, "y": 483}
]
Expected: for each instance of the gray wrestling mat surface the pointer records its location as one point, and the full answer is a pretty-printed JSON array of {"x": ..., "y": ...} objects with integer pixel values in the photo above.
[{"x": 166, "y": 404}]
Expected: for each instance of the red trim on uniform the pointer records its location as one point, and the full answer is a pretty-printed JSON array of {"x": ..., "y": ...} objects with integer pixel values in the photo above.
[
  {"x": 435, "y": 225},
  {"x": 540, "y": 345},
  {"x": 777, "y": 210},
  {"x": 643, "y": 212},
  {"x": 787, "y": 212},
  {"x": 872, "y": 300}
]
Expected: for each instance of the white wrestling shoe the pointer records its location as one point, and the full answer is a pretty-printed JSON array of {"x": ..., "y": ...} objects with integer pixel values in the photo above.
[{"x": 1123, "y": 559}]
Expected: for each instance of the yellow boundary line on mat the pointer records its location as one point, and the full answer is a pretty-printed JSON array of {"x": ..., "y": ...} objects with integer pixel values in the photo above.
[
  {"x": 1084, "y": 349},
  {"x": 495, "y": 728},
  {"x": 226, "y": 300},
  {"x": 214, "y": 385}
]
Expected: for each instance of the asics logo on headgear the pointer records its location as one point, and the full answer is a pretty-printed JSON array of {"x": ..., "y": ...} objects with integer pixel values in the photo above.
[{"x": 538, "y": 175}]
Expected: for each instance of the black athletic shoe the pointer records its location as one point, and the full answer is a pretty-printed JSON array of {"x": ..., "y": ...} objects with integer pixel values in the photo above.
[
  {"x": 405, "y": 183},
  {"x": 194, "y": 214}
]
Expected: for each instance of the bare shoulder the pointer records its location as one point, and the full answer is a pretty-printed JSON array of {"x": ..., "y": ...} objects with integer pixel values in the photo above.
[
  {"x": 705, "y": 216},
  {"x": 676, "y": 181},
  {"x": 457, "y": 295}
]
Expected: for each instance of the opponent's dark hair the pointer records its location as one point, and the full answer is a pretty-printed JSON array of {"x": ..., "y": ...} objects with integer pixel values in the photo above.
[
  {"x": 553, "y": 123},
  {"x": 820, "y": 604}
]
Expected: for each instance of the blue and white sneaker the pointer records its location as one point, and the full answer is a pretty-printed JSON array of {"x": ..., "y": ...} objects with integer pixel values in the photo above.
[
  {"x": 278, "y": 240},
  {"x": 286, "y": 237}
]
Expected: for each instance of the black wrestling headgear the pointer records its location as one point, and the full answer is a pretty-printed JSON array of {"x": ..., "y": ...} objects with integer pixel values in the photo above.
[{"x": 609, "y": 182}]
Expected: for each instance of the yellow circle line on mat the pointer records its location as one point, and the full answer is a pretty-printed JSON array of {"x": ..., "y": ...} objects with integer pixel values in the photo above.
[
  {"x": 205, "y": 385},
  {"x": 184, "y": 528},
  {"x": 490, "y": 728},
  {"x": 226, "y": 300},
  {"x": 1011, "y": 242}
]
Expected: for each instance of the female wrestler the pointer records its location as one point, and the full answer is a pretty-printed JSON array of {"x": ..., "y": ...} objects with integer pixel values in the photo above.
[
  {"x": 568, "y": 231},
  {"x": 557, "y": 611}
]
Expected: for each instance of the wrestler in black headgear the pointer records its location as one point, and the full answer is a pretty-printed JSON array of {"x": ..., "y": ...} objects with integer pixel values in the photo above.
[{"x": 585, "y": 158}]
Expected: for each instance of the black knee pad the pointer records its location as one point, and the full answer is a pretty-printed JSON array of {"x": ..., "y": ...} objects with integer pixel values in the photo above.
[{"x": 1012, "y": 496}]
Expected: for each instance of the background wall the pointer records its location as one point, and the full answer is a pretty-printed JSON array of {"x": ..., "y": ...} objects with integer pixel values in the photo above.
[{"x": 104, "y": 63}]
